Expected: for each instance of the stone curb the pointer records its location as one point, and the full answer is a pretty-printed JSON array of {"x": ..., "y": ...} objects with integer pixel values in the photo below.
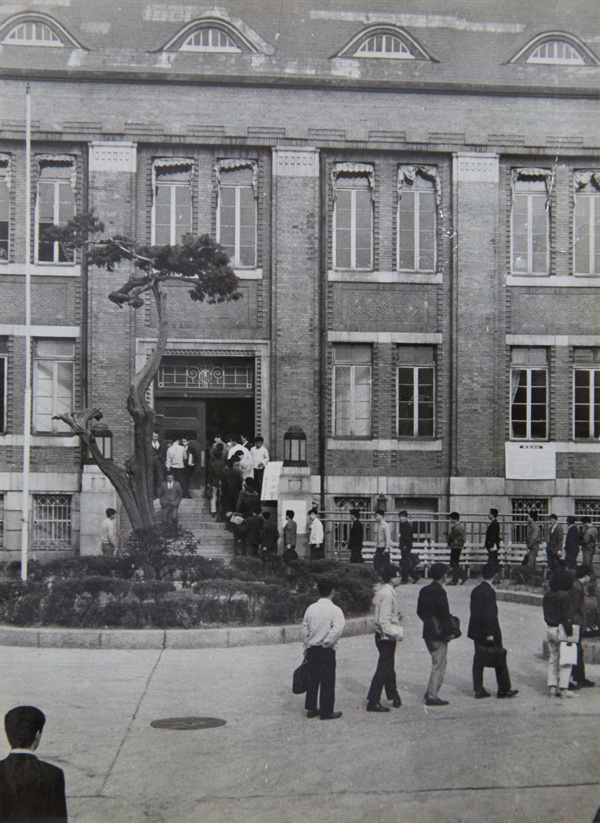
[{"x": 165, "y": 639}]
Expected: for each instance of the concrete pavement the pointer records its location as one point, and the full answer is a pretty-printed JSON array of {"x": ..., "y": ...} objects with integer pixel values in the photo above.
[{"x": 524, "y": 760}]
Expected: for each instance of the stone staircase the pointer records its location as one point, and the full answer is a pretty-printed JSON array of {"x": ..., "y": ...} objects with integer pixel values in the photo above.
[{"x": 213, "y": 537}]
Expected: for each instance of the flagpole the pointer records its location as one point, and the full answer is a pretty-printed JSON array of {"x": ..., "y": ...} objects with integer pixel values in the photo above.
[{"x": 27, "y": 406}]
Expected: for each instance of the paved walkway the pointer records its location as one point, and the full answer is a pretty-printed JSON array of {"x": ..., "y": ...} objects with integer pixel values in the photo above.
[{"x": 521, "y": 761}]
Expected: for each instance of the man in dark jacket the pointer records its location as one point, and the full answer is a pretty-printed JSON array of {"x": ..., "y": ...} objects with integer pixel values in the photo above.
[
  {"x": 484, "y": 631},
  {"x": 572, "y": 542},
  {"x": 456, "y": 543},
  {"x": 405, "y": 540},
  {"x": 492, "y": 537},
  {"x": 433, "y": 609},
  {"x": 31, "y": 790}
]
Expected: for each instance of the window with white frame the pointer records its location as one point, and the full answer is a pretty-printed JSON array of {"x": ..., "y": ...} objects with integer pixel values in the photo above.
[
  {"x": 210, "y": 39},
  {"x": 384, "y": 41},
  {"x": 33, "y": 33},
  {"x": 55, "y": 205},
  {"x": 586, "y": 228},
  {"x": 557, "y": 52},
  {"x": 3, "y": 382},
  {"x": 586, "y": 394},
  {"x": 172, "y": 200},
  {"x": 418, "y": 198},
  {"x": 353, "y": 216},
  {"x": 53, "y": 383},
  {"x": 5, "y": 186},
  {"x": 529, "y": 394},
  {"x": 416, "y": 391},
  {"x": 530, "y": 221},
  {"x": 52, "y": 522},
  {"x": 237, "y": 211},
  {"x": 384, "y": 45},
  {"x": 352, "y": 368}
]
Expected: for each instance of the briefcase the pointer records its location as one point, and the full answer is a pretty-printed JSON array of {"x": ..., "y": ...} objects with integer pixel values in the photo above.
[
  {"x": 490, "y": 655},
  {"x": 300, "y": 678}
]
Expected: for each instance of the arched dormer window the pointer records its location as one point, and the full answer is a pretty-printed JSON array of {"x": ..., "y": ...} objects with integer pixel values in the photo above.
[
  {"x": 385, "y": 41},
  {"x": 36, "y": 30},
  {"x": 213, "y": 35},
  {"x": 556, "y": 48}
]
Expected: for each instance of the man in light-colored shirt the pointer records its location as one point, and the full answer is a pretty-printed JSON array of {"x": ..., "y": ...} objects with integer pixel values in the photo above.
[
  {"x": 322, "y": 627},
  {"x": 176, "y": 462},
  {"x": 108, "y": 533},
  {"x": 383, "y": 541},
  {"x": 387, "y": 633},
  {"x": 316, "y": 536},
  {"x": 260, "y": 458}
]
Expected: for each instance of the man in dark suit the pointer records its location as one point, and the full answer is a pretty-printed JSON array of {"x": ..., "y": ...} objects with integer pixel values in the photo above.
[
  {"x": 492, "y": 537},
  {"x": 159, "y": 454},
  {"x": 572, "y": 543},
  {"x": 170, "y": 498},
  {"x": 484, "y": 631},
  {"x": 31, "y": 790},
  {"x": 433, "y": 609}
]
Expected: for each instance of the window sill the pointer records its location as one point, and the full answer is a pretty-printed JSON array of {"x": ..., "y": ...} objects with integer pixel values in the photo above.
[
  {"x": 55, "y": 440},
  {"x": 248, "y": 274},
  {"x": 339, "y": 276},
  {"x": 569, "y": 281},
  {"x": 376, "y": 444},
  {"x": 42, "y": 269}
]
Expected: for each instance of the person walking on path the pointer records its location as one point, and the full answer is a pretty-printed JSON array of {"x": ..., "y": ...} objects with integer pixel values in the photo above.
[
  {"x": 492, "y": 538},
  {"x": 589, "y": 541},
  {"x": 109, "y": 542},
  {"x": 554, "y": 546},
  {"x": 383, "y": 541},
  {"x": 572, "y": 543},
  {"x": 534, "y": 538},
  {"x": 405, "y": 539},
  {"x": 456, "y": 542},
  {"x": 484, "y": 631},
  {"x": 558, "y": 613},
  {"x": 290, "y": 533},
  {"x": 31, "y": 790},
  {"x": 322, "y": 627},
  {"x": 170, "y": 499},
  {"x": 387, "y": 634},
  {"x": 316, "y": 536},
  {"x": 356, "y": 537},
  {"x": 433, "y": 609},
  {"x": 583, "y": 574}
]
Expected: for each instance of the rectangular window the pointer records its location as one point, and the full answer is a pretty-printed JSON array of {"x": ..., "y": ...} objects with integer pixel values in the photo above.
[
  {"x": 353, "y": 217},
  {"x": 530, "y": 224},
  {"x": 51, "y": 522},
  {"x": 172, "y": 201},
  {"x": 237, "y": 212},
  {"x": 586, "y": 394},
  {"x": 529, "y": 394},
  {"x": 3, "y": 385},
  {"x": 417, "y": 219},
  {"x": 587, "y": 223},
  {"x": 588, "y": 507},
  {"x": 55, "y": 206},
  {"x": 4, "y": 207},
  {"x": 352, "y": 390},
  {"x": 416, "y": 391},
  {"x": 53, "y": 383},
  {"x": 521, "y": 506}
]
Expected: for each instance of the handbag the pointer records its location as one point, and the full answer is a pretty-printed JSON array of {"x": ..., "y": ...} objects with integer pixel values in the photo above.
[
  {"x": 236, "y": 519},
  {"x": 490, "y": 655},
  {"x": 567, "y": 654},
  {"x": 456, "y": 632},
  {"x": 300, "y": 678}
]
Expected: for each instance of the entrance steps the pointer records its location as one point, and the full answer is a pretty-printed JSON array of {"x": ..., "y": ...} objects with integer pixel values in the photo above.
[{"x": 213, "y": 538}]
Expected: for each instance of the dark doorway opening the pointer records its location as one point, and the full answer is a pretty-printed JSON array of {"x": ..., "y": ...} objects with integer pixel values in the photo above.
[{"x": 229, "y": 415}]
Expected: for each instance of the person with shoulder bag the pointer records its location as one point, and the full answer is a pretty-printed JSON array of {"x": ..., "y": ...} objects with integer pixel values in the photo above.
[
  {"x": 387, "y": 634},
  {"x": 434, "y": 611}
]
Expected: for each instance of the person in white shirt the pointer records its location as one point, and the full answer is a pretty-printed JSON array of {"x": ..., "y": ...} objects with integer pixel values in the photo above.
[
  {"x": 387, "y": 633},
  {"x": 108, "y": 533},
  {"x": 316, "y": 536},
  {"x": 260, "y": 458},
  {"x": 383, "y": 542},
  {"x": 322, "y": 627},
  {"x": 176, "y": 465},
  {"x": 237, "y": 446}
]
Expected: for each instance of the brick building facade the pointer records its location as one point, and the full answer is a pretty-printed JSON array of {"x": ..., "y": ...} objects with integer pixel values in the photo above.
[{"x": 411, "y": 200}]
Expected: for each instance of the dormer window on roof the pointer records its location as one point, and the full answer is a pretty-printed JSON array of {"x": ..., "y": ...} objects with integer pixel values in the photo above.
[
  {"x": 556, "y": 49},
  {"x": 36, "y": 30},
  {"x": 384, "y": 42},
  {"x": 212, "y": 35}
]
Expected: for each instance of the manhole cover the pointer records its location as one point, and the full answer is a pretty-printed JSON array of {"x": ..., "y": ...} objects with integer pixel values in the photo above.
[{"x": 187, "y": 723}]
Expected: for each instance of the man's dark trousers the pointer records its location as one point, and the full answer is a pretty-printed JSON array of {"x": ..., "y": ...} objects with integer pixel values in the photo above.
[
  {"x": 384, "y": 676},
  {"x": 321, "y": 673},
  {"x": 381, "y": 559},
  {"x": 407, "y": 567},
  {"x": 502, "y": 676}
]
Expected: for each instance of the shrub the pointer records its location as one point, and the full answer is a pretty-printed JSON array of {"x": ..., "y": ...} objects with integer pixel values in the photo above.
[{"x": 157, "y": 549}]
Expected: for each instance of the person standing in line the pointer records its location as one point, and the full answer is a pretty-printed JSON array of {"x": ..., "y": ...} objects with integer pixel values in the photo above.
[
  {"x": 383, "y": 542},
  {"x": 572, "y": 543},
  {"x": 290, "y": 533},
  {"x": 170, "y": 499},
  {"x": 534, "y": 538},
  {"x": 231, "y": 485},
  {"x": 484, "y": 631},
  {"x": 434, "y": 611},
  {"x": 405, "y": 539},
  {"x": 31, "y": 790},
  {"x": 109, "y": 542},
  {"x": 237, "y": 446},
  {"x": 176, "y": 456},
  {"x": 316, "y": 536},
  {"x": 245, "y": 504},
  {"x": 243, "y": 463},
  {"x": 554, "y": 546},
  {"x": 456, "y": 542},
  {"x": 558, "y": 613},
  {"x": 158, "y": 462},
  {"x": 190, "y": 463},
  {"x": 269, "y": 538},
  {"x": 252, "y": 529},
  {"x": 217, "y": 442},
  {"x": 387, "y": 634},
  {"x": 322, "y": 627},
  {"x": 356, "y": 537},
  {"x": 215, "y": 470},
  {"x": 589, "y": 541},
  {"x": 583, "y": 574},
  {"x": 260, "y": 457},
  {"x": 492, "y": 538}
]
